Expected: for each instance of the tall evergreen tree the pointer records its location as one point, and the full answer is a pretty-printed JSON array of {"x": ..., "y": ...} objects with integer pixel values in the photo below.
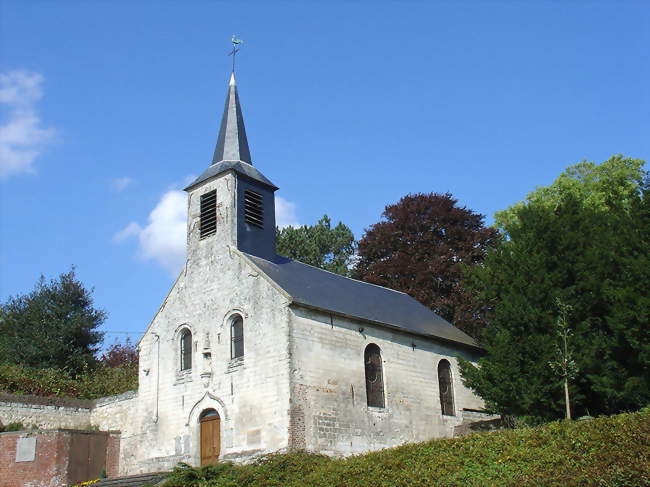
[
  {"x": 420, "y": 248},
  {"x": 53, "y": 326},
  {"x": 583, "y": 240}
]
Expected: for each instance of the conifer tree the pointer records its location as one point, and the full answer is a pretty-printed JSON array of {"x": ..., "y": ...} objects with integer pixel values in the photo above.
[
  {"x": 54, "y": 326},
  {"x": 586, "y": 241}
]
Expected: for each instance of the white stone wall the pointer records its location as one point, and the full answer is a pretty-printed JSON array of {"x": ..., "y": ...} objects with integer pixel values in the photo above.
[
  {"x": 251, "y": 394},
  {"x": 36, "y": 412},
  {"x": 328, "y": 386}
]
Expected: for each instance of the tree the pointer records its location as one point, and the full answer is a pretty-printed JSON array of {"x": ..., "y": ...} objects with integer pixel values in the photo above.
[
  {"x": 121, "y": 354},
  {"x": 420, "y": 248},
  {"x": 586, "y": 241},
  {"x": 319, "y": 245},
  {"x": 54, "y": 326},
  {"x": 564, "y": 365}
]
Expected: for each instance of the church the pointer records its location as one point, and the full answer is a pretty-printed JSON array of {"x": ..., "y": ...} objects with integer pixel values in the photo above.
[{"x": 253, "y": 353}]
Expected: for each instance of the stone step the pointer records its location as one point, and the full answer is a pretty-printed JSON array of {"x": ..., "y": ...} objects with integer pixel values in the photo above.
[{"x": 138, "y": 480}]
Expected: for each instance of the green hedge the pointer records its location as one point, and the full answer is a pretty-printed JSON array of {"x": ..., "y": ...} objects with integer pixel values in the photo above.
[
  {"x": 92, "y": 383},
  {"x": 605, "y": 452}
]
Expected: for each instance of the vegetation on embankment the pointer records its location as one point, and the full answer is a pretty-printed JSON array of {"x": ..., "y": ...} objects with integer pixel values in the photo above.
[
  {"x": 607, "y": 451},
  {"x": 97, "y": 381}
]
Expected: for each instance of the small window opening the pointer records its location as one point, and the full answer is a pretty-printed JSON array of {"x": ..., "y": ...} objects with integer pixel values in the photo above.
[
  {"x": 208, "y": 225},
  {"x": 237, "y": 337},
  {"x": 253, "y": 208},
  {"x": 186, "y": 350},
  {"x": 374, "y": 376},
  {"x": 446, "y": 388}
]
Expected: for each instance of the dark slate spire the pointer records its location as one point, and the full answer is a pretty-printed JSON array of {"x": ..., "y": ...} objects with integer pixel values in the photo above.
[{"x": 232, "y": 144}]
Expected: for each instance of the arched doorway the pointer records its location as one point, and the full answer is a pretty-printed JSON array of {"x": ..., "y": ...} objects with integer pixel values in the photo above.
[{"x": 210, "y": 424}]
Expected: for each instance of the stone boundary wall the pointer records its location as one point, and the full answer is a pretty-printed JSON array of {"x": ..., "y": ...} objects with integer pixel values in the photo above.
[
  {"x": 45, "y": 412},
  {"x": 62, "y": 412}
]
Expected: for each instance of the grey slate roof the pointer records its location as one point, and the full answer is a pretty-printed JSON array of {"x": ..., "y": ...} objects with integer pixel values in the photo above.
[
  {"x": 231, "y": 151},
  {"x": 240, "y": 167},
  {"x": 317, "y": 288},
  {"x": 232, "y": 144}
]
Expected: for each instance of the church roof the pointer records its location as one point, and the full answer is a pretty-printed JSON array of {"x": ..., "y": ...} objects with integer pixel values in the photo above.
[
  {"x": 232, "y": 151},
  {"x": 326, "y": 291}
]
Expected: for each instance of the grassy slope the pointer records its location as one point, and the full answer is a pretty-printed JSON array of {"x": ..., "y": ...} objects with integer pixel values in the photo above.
[{"x": 608, "y": 451}]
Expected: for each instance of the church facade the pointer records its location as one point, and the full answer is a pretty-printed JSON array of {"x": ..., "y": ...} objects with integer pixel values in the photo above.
[{"x": 252, "y": 353}]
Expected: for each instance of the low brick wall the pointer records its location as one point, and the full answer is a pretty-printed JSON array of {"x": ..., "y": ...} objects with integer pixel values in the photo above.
[{"x": 56, "y": 458}]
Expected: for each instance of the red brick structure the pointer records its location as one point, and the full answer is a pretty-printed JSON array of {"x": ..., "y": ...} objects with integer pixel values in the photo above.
[{"x": 56, "y": 458}]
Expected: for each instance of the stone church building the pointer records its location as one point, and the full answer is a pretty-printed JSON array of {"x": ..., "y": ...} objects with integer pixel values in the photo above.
[{"x": 252, "y": 353}]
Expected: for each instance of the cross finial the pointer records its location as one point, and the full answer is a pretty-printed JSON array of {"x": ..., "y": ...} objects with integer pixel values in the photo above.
[{"x": 235, "y": 43}]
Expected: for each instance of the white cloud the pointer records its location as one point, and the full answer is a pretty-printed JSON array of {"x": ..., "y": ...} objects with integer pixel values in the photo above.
[
  {"x": 131, "y": 230},
  {"x": 21, "y": 135},
  {"x": 163, "y": 238},
  {"x": 120, "y": 184},
  {"x": 285, "y": 213}
]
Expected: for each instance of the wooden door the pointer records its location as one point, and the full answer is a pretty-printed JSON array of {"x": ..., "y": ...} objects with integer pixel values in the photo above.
[{"x": 210, "y": 439}]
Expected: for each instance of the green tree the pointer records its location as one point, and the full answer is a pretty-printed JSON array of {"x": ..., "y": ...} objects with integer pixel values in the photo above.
[
  {"x": 584, "y": 240},
  {"x": 319, "y": 245},
  {"x": 54, "y": 326}
]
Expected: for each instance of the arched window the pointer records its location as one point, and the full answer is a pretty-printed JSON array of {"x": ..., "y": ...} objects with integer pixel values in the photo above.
[
  {"x": 237, "y": 337},
  {"x": 186, "y": 349},
  {"x": 374, "y": 376},
  {"x": 446, "y": 388}
]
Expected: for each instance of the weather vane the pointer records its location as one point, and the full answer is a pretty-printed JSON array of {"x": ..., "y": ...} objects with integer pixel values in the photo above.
[{"x": 235, "y": 42}]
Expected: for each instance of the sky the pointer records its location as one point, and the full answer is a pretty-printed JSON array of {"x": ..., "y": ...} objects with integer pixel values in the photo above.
[{"x": 107, "y": 108}]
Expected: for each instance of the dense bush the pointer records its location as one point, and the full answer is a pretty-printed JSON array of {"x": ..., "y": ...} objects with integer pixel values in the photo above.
[
  {"x": 608, "y": 451},
  {"x": 93, "y": 382}
]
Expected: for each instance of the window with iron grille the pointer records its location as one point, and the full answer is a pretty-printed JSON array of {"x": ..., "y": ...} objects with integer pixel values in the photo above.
[
  {"x": 374, "y": 376},
  {"x": 253, "y": 208},
  {"x": 186, "y": 350},
  {"x": 237, "y": 337},
  {"x": 446, "y": 389},
  {"x": 208, "y": 225}
]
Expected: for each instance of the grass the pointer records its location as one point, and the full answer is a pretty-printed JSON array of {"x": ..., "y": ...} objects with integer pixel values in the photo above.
[{"x": 604, "y": 452}]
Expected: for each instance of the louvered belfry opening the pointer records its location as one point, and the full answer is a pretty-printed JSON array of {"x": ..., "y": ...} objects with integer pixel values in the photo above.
[
  {"x": 253, "y": 208},
  {"x": 446, "y": 389},
  {"x": 208, "y": 225},
  {"x": 374, "y": 376}
]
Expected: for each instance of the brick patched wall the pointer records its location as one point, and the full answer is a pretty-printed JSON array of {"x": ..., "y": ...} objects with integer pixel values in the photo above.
[{"x": 56, "y": 458}]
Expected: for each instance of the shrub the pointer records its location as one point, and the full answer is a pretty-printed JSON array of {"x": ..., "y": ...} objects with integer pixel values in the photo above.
[
  {"x": 603, "y": 452},
  {"x": 91, "y": 383}
]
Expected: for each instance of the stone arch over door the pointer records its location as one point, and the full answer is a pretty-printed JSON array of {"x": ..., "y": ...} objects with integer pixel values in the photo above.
[
  {"x": 208, "y": 401},
  {"x": 209, "y": 436}
]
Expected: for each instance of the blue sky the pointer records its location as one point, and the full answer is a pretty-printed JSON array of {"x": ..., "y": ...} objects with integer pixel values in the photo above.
[{"x": 107, "y": 108}]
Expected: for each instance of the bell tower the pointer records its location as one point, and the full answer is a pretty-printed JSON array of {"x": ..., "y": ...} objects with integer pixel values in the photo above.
[{"x": 231, "y": 203}]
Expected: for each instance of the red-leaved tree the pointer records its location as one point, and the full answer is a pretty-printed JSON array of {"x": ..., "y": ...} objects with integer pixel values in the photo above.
[
  {"x": 420, "y": 246},
  {"x": 121, "y": 354}
]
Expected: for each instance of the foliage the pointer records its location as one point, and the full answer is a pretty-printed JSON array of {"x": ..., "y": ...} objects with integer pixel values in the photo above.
[
  {"x": 420, "y": 248},
  {"x": 319, "y": 245},
  {"x": 598, "y": 186},
  {"x": 586, "y": 241},
  {"x": 121, "y": 354},
  {"x": 604, "y": 452},
  {"x": 15, "y": 426},
  {"x": 53, "y": 326},
  {"x": 90, "y": 383}
]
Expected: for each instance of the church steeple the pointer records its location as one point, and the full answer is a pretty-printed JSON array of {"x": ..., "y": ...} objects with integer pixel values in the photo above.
[
  {"x": 232, "y": 144},
  {"x": 231, "y": 203}
]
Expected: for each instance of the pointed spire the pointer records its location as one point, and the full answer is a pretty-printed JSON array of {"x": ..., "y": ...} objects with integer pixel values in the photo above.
[{"x": 232, "y": 144}]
